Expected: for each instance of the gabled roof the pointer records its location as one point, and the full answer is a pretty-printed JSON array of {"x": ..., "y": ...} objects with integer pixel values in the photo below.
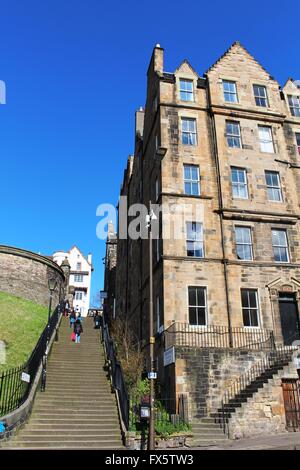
[
  {"x": 186, "y": 62},
  {"x": 233, "y": 46},
  {"x": 296, "y": 83},
  {"x": 75, "y": 246}
]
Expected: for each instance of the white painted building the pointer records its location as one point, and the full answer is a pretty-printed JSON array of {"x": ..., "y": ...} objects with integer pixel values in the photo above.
[{"x": 80, "y": 276}]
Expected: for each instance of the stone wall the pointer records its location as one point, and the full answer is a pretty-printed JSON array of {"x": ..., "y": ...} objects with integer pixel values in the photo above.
[
  {"x": 205, "y": 374},
  {"x": 264, "y": 413},
  {"x": 26, "y": 274}
]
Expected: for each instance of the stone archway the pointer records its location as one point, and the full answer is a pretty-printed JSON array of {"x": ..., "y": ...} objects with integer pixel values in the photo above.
[{"x": 280, "y": 289}]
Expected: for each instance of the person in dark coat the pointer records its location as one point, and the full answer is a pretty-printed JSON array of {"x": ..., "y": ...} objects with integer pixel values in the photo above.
[
  {"x": 97, "y": 320},
  {"x": 78, "y": 330},
  {"x": 72, "y": 317}
]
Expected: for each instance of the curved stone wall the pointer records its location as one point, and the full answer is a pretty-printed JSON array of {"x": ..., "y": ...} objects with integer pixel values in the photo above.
[{"x": 26, "y": 274}]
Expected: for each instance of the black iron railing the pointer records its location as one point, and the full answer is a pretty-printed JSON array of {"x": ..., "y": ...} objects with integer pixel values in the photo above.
[
  {"x": 14, "y": 387},
  {"x": 116, "y": 374},
  {"x": 256, "y": 374},
  {"x": 184, "y": 334}
]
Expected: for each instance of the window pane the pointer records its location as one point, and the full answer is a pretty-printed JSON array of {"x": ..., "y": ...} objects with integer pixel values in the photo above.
[
  {"x": 245, "y": 298},
  {"x": 246, "y": 317},
  {"x": 192, "y": 296},
  {"x": 201, "y": 316},
  {"x": 194, "y": 172},
  {"x": 253, "y": 318},
  {"x": 187, "y": 172},
  {"x": 252, "y": 299},
  {"x": 188, "y": 188},
  {"x": 201, "y": 296},
  {"x": 195, "y": 189},
  {"x": 193, "y": 315}
]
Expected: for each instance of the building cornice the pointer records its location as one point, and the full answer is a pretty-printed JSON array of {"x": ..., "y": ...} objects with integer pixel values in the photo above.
[{"x": 259, "y": 216}]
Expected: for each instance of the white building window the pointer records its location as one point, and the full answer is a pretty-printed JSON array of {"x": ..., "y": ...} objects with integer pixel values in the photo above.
[
  {"x": 239, "y": 183},
  {"x": 197, "y": 306},
  {"x": 189, "y": 132},
  {"x": 266, "y": 139},
  {"x": 233, "y": 134},
  {"x": 78, "y": 295},
  {"x": 243, "y": 242},
  {"x": 229, "y": 90},
  {"x": 294, "y": 104},
  {"x": 194, "y": 241},
  {"x": 78, "y": 266},
  {"x": 280, "y": 246},
  {"x": 186, "y": 90},
  {"x": 260, "y": 95},
  {"x": 250, "y": 307},
  {"x": 78, "y": 278},
  {"x": 273, "y": 186},
  {"x": 191, "y": 175}
]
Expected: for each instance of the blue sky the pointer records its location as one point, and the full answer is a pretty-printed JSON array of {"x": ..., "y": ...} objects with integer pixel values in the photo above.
[{"x": 75, "y": 73}]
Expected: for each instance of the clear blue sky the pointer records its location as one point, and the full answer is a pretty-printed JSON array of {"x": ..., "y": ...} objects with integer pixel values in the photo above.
[{"x": 75, "y": 73}]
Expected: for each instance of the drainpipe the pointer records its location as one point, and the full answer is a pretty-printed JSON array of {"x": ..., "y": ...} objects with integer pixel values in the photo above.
[{"x": 220, "y": 199}]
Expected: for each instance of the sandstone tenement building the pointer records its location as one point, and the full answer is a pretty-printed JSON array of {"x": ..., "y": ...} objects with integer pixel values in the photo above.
[{"x": 229, "y": 143}]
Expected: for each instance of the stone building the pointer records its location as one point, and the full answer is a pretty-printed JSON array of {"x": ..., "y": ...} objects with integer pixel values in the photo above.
[
  {"x": 110, "y": 261},
  {"x": 79, "y": 277},
  {"x": 227, "y": 146}
]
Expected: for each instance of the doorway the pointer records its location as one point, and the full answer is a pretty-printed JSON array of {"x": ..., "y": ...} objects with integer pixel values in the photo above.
[
  {"x": 291, "y": 397},
  {"x": 289, "y": 318}
]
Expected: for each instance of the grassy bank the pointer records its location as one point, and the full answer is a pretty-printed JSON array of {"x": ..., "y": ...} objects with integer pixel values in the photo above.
[{"x": 21, "y": 323}]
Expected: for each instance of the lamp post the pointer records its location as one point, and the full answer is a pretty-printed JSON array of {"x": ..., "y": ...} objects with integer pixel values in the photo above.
[
  {"x": 151, "y": 442},
  {"x": 51, "y": 285}
]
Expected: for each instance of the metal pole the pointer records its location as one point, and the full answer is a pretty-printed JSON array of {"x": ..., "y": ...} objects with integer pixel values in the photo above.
[{"x": 151, "y": 443}]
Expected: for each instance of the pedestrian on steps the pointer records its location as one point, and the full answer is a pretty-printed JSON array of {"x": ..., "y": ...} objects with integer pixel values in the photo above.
[
  {"x": 78, "y": 330},
  {"x": 72, "y": 317}
]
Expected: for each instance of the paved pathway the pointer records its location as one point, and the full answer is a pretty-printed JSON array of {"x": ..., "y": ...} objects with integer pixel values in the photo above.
[{"x": 286, "y": 441}]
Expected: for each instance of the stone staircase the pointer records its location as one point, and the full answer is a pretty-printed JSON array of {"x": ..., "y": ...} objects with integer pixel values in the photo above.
[
  {"x": 247, "y": 393},
  {"x": 207, "y": 432},
  {"x": 78, "y": 409}
]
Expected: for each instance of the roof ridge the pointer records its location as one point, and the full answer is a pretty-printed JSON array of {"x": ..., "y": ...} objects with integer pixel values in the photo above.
[{"x": 234, "y": 44}]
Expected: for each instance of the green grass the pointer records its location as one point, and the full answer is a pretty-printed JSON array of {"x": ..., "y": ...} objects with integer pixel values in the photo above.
[{"x": 21, "y": 324}]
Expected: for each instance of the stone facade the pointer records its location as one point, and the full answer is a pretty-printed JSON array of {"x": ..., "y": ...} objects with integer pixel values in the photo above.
[
  {"x": 156, "y": 173},
  {"x": 264, "y": 413},
  {"x": 26, "y": 274},
  {"x": 110, "y": 272}
]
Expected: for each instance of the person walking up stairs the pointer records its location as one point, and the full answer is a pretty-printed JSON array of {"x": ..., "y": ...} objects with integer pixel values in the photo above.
[{"x": 77, "y": 409}]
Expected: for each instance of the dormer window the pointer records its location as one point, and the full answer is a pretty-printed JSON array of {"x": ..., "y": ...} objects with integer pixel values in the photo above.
[
  {"x": 260, "y": 95},
  {"x": 229, "y": 90},
  {"x": 294, "y": 104},
  {"x": 186, "y": 89}
]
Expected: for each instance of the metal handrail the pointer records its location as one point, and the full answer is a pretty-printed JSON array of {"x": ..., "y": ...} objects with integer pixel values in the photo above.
[
  {"x": 270, "y": 360},
  {"x": 14, "y": 390},
  {"x": 117, "y": 377}
]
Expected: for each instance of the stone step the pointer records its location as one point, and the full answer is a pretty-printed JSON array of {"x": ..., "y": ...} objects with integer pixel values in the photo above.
[
  {"x": 69, "y": 436},
  {"x": 76, "y": 420},
  {"x": 110, "y": 443},
  {"x": 88, "y": 427}
]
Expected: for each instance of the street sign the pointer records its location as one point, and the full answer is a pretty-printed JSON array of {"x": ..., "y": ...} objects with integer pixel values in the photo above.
[
  {"x": 25, "y": 377},
  {"x": 152, "y": 375},
  {"x": 169, "y": 356}
]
